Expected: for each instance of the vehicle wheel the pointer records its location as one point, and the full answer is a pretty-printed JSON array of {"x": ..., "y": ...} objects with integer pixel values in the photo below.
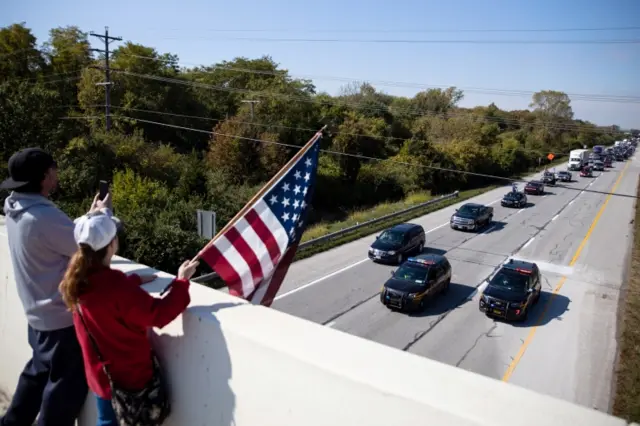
[
  {"x": 535, "y": 302},
  {"x": 445, "y": 288},
  {"x": 420, "y": 248},
  {"x": 399, "y": 259},
  {"x": 525, "y": 315},
  {"x": 422, "y": 305}
]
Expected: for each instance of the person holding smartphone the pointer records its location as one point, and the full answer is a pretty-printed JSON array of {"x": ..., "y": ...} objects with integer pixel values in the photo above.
[
  {"x": 52, "y": 385},
  {"x": 112, "y": 311}
]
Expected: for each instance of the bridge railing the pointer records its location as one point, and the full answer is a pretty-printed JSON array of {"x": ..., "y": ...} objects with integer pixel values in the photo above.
[{"x": 231, "y": 363}]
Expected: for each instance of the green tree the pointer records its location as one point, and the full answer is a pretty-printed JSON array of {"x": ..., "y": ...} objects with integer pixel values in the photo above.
[
  {"x": 358, "y": 136},
  {"x": 19, "y": 54}
]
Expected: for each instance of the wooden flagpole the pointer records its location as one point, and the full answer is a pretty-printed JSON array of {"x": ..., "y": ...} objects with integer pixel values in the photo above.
[{"x": 264, "y": 189}]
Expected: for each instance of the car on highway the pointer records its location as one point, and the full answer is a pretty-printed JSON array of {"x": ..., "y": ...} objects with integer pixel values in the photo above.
[
  {"x": 608, "y": 162},
  {"x": 598, "y": 166},
  {"x": 549, "y": 178},
  {"x": 471, "y": 217},
  {"x": 512, "y": 291},
  {"x": 534, "y": 187},
  {"x": 394, "y": 244},
  {"x": 514, "y": 198},
  {"x": 564, "y": 176},
  {"x": 586, "y": 172},
  {"x": 416, "y": 281}
]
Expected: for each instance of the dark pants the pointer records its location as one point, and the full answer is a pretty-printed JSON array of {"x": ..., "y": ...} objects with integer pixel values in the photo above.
[{"x": 52, "y": 383}]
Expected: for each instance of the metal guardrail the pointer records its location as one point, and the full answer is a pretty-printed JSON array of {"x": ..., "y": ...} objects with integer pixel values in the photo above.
[
  {"x": 386, "y": 217},
  {"x": 350, "y": 229}
]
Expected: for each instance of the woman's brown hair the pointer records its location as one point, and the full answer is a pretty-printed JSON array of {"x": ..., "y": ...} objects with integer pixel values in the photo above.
[{"x": 75, "y": 283}]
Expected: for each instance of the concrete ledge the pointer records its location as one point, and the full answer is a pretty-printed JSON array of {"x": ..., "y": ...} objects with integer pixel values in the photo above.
[{"x": 231, "y": 363}]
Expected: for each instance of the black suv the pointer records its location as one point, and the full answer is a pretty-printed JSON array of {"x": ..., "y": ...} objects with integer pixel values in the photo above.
[
  {"x": 512, "y": 291},
  {"x": 416, "y": 281},
  {"x": 514, "y": 199},
  {"x": 471, "y": 217},
  {"x": 393, "y": 244}
]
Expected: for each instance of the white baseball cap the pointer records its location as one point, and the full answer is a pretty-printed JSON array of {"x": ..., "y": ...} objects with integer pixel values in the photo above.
[{"x": 96, "y": 229}]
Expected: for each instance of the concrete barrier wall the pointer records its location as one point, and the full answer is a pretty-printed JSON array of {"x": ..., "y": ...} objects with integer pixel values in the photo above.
[{"x": 230, "y": 363}]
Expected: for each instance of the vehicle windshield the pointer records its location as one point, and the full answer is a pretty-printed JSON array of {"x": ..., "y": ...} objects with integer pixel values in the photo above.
[
  {"x": 392, "y": 237},
  {"x": 534, "y": 183},
  {"x": 510, "y": 280},
  {"x": 511, "y": 195},
  {"x": 469, "y": 209},
  {"x": 411, "y": 272}
]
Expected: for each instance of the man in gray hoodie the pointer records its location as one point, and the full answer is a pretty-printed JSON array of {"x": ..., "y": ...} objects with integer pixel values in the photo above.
[{"x": 41, "y": 243}]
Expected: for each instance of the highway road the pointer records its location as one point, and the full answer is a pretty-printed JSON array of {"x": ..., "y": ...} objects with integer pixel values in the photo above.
[{"x": 566, "y": 348}]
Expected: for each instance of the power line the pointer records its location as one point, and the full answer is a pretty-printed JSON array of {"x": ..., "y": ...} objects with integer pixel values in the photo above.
[
  {"x": 304, "y": 129},
  {"x": 42, "y": 78},
  {"x": 368, "y": 158},
  {"x": 410, "y": 41},
  {"x": 351, "y": 104},
  {"x": 500, "y": 92},
  {"x": 405, "y": 31}
]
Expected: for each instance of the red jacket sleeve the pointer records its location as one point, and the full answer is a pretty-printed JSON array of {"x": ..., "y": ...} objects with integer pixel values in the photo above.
[
  {"x": 141, "y": 309},
  {"x": 135, "y": 279}
]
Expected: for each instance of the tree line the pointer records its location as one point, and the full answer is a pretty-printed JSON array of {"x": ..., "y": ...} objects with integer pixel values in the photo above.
[{"x": 184, "y": 139}]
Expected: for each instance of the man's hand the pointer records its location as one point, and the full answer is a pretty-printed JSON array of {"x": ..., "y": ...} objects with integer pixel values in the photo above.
[{"x": 100, "y": 204}]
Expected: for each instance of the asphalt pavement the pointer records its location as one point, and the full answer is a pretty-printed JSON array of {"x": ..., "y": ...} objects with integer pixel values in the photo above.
[{"x": 579, "y": 236}]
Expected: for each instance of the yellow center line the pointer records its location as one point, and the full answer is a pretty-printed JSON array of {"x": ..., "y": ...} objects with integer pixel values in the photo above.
[{"x": 527, "y": 341}]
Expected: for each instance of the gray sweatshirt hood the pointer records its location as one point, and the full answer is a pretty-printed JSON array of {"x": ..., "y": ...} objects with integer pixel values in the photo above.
[
  {"x": 41, "y": 243},
  {"x": 18, "y": 203}
]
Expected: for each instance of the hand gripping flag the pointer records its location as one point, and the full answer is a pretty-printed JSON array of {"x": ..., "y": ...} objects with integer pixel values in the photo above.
[{"x": 253, "y": 252}]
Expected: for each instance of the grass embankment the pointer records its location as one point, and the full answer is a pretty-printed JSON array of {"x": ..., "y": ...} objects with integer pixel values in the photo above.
[{"x": 627, "y": 395}]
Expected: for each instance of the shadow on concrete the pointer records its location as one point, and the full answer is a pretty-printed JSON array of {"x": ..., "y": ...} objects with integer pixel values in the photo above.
[
  {"x": 200, "y": 369},
  {"x": 457, "y": 295},
  {"x": 495, "y": 226},
  {"x": 432, "y": 250},
  {"x": 550, "y": 307}
]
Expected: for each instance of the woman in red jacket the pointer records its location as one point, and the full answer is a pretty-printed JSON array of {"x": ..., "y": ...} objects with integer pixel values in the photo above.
[{"x": 117, "y": 312}]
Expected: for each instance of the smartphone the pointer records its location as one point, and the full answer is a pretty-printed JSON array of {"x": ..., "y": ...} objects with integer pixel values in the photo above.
[{"x": 104, "y": 189}]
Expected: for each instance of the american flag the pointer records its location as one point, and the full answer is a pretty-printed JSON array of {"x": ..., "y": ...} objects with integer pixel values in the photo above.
[{"x": 252, "y": 254}]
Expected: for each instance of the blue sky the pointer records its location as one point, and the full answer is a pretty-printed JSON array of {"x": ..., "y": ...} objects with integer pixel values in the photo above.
[{"x": 187, "y": 28}]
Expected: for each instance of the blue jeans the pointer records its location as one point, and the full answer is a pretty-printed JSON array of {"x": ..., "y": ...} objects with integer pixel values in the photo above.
[{"x": 106, "y": 415}]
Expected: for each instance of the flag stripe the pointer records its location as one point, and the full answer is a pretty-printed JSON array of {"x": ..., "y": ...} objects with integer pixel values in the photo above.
[
  {"x": 217, "y": 261},
  {"x": 266, "y": 237},
  {"x": 258, "y": 296},
  {"x": 248, "y": 255},
  {"x": 273, "y": 225},
  {"x": 278, "y": 275},
  {"x": 236, "y": 262}
]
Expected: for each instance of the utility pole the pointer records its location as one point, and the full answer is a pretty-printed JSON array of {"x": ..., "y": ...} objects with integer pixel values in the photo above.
[
  {"x": 251, "y": 103},
  {"x": 107, "y": 71}
]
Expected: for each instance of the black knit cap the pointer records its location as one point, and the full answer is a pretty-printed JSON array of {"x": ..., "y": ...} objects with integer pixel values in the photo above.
[{"x": 27, "y": 166}]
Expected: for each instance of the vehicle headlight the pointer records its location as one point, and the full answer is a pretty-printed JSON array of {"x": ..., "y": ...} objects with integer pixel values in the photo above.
[
  {"x": 391, "y": 253},
  {"x": 412, "y": 295}
]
